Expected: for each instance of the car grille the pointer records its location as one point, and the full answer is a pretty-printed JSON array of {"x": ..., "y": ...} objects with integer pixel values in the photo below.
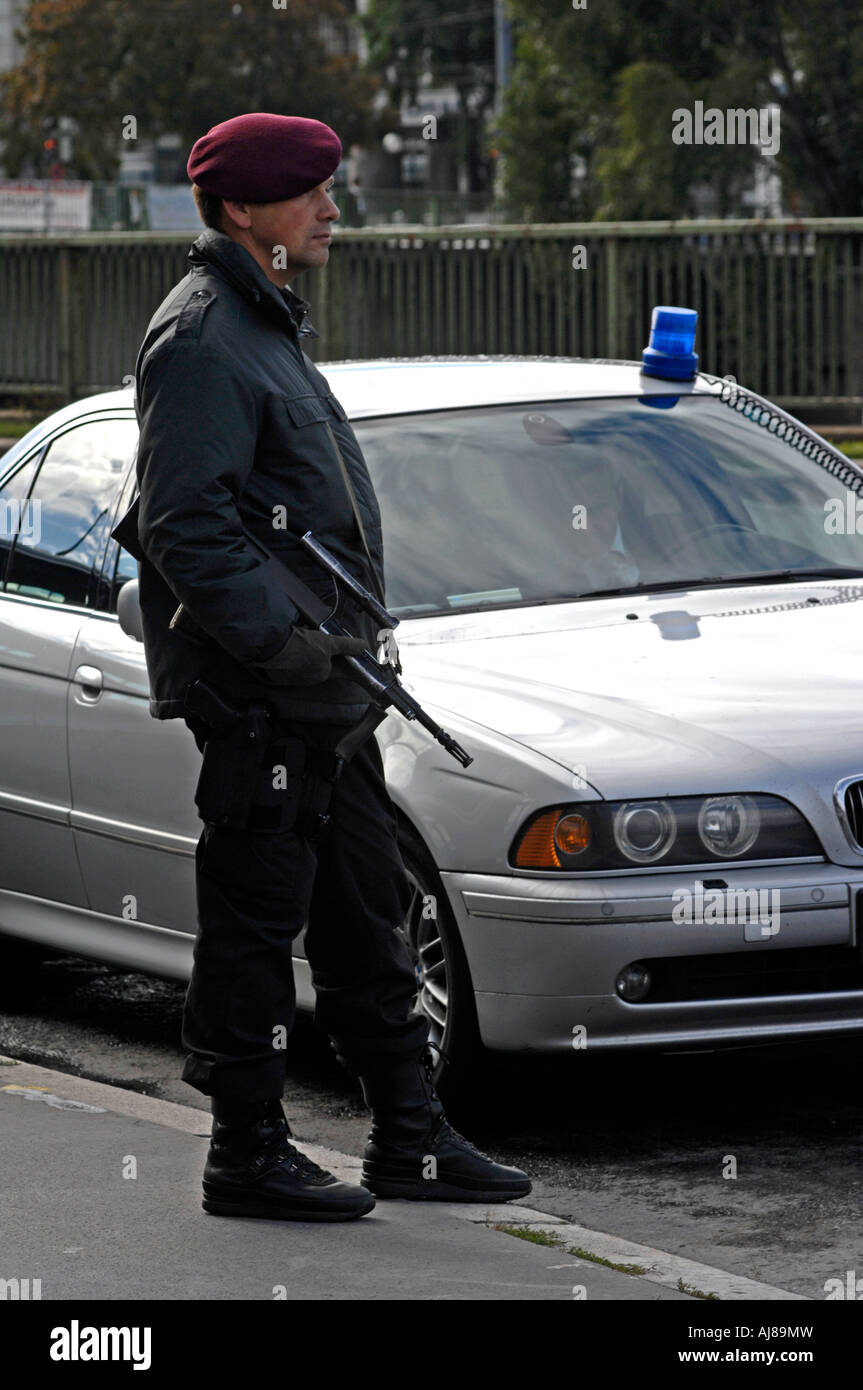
[
  {"x": 854, "y": 810},
  {"x": 753, "y": 975}
]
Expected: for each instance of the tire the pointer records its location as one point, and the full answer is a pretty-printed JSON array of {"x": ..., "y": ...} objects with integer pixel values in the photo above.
[{"x": 445, "y": 991}]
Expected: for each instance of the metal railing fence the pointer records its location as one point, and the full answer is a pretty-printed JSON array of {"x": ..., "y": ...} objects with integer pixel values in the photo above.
[{"x": 780, "y": 303}]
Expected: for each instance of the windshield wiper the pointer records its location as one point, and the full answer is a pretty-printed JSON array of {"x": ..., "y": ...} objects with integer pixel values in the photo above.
[
  {"x": 772, "y": 576},
  {"x": 707, "y": 581},
  {"x": 664, "y": 585}
]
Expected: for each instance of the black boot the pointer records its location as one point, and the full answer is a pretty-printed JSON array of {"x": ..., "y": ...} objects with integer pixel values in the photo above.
[
  {"x": 413, "y": 1151},
  {"x": 252, "y": 1170}
]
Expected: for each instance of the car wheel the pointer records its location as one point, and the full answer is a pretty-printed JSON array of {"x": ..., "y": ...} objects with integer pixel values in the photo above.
[{"x": 444, "y": 990}]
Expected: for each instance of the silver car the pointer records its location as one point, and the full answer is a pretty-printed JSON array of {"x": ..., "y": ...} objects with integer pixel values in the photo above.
[{"x": 630, "y": 599}]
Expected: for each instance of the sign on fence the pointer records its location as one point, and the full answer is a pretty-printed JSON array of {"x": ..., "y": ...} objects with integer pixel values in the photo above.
[
  {"x": 43, "y": 205},
  {"x": 172, "y": 208}
]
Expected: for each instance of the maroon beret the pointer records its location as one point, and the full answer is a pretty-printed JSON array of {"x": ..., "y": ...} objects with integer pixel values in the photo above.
[{"x": 262, "y": 158}]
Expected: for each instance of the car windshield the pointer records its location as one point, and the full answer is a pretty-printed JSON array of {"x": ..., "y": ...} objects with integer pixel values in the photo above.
[{"x": 490, "y": 507}]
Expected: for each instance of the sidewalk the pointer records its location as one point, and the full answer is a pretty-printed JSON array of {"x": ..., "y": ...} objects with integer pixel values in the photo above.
[{"x": 71, "y": 1219}]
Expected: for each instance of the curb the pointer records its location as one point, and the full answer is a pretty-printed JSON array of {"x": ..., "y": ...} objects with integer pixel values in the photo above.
[{"x": 659, "y": 1266}]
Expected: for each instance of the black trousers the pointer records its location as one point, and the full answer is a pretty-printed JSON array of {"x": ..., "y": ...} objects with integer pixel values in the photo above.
[{"x": 256, "y": 889}]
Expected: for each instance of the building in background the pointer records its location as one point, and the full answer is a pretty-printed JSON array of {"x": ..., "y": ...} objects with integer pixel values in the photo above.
[
  {"x": 10, "y": 49},
  {"x": 10, "y": 18}
]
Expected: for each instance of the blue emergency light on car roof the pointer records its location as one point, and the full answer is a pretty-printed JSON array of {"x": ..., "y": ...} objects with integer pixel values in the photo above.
[{"x": 670, "y": 353}]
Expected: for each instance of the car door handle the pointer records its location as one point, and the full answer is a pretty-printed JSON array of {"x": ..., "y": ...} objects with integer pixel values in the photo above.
[{"x": 90, "y": 680}]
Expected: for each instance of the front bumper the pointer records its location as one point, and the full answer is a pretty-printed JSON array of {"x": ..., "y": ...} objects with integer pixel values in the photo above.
[{"x": 545, "y": 953}]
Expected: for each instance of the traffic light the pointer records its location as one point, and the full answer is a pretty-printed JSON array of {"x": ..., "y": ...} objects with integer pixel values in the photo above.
[{"x": 50, "y": 138}]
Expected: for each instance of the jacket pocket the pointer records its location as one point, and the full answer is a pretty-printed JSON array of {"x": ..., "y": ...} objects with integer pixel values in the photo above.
[{"x": 313, "y": 409}]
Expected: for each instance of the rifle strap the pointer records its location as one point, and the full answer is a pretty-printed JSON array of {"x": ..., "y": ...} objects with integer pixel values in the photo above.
[
  {"x": 325, "y": 767},
  {"x": 355, "y": 737},
  {"x": 378, "y": 586}
]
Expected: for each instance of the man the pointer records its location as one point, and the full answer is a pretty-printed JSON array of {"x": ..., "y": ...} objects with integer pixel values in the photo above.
[{"x": 239, "y": 430}]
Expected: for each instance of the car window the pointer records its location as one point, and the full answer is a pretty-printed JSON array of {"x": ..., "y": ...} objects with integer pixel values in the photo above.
[
  {"x": 118, "y": 566},
  {"x": 121, "y": 567},
  {"x": 530, "y": 503},
  {"x": 71, "y": 506},
  {"x": 16, "y": 514}
]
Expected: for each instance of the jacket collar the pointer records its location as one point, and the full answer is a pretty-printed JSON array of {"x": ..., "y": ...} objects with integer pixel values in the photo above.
[{"x": 234, "y": 263}]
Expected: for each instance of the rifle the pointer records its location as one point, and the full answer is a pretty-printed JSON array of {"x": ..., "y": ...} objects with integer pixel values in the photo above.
[{"x": 380, "y": 678}]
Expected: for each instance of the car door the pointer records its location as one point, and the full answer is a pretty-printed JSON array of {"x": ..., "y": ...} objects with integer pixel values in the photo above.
[
  {"x": 133, "y": 777},
  {"x": 54, "y": 505}
]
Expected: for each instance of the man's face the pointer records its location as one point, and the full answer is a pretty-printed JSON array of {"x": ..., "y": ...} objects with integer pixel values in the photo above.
[{"x": 288, "y": 236}]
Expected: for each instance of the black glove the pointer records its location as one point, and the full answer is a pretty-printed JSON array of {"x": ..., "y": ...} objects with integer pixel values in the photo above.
[{"x": 306, "y": 658}]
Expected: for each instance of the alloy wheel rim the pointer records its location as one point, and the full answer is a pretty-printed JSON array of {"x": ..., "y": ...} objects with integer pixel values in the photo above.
[{"x": 421, "y": 934}]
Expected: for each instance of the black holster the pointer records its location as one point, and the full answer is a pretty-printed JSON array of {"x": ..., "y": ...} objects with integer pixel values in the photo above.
[{"x": 255, "y": 778}]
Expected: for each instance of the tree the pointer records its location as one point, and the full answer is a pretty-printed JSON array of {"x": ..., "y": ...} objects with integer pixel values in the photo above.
[
  {"x": 552, "y": 115},
  {"x": 815, "y": 56},
  {"x": 601, "y": 83},
  {"x": 642, "y": 174},
  {"x": 176, "y": 67}
]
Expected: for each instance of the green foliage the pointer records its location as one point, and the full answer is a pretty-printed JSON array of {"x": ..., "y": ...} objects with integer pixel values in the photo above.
[
  {"x": 601, "y": 83},
  {"x": 582, "y": 1254},
  {"x": 551, "y": 1238},
  {"x": 530, "y": 1234},
  {"x": 693, "y": 1292},
  {"x": 176, "y": 66},
  {"x": 640, "y": 172},
  {"x": 548, "y": 119},
  {"x": 586, "y": 127}
]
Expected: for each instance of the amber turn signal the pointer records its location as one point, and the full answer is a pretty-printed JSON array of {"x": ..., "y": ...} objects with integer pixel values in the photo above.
[
  {"x": 536, "y": 850},
  {"x": 553, "y": 833}
]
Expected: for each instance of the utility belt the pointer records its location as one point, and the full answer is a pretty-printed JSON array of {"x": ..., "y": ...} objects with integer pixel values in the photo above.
[{"x": 257, "y": 776}]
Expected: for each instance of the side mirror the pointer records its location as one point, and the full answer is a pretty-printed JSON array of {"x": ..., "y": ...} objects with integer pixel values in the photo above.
[{"x": 129, "y": 611}]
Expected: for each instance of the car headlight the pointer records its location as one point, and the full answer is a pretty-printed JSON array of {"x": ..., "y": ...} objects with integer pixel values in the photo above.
[
  {"x": 644, "y": 830},
  {"x": 668, "y": 831},
  {"x": 729, "y": 825}
]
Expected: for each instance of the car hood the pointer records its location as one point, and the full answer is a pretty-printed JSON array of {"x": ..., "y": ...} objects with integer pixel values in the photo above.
[{"x": 750, "y": 688}]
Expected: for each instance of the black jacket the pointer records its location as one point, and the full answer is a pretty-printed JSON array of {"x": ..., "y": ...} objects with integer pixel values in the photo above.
[{"x": 233, "y": 426}]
